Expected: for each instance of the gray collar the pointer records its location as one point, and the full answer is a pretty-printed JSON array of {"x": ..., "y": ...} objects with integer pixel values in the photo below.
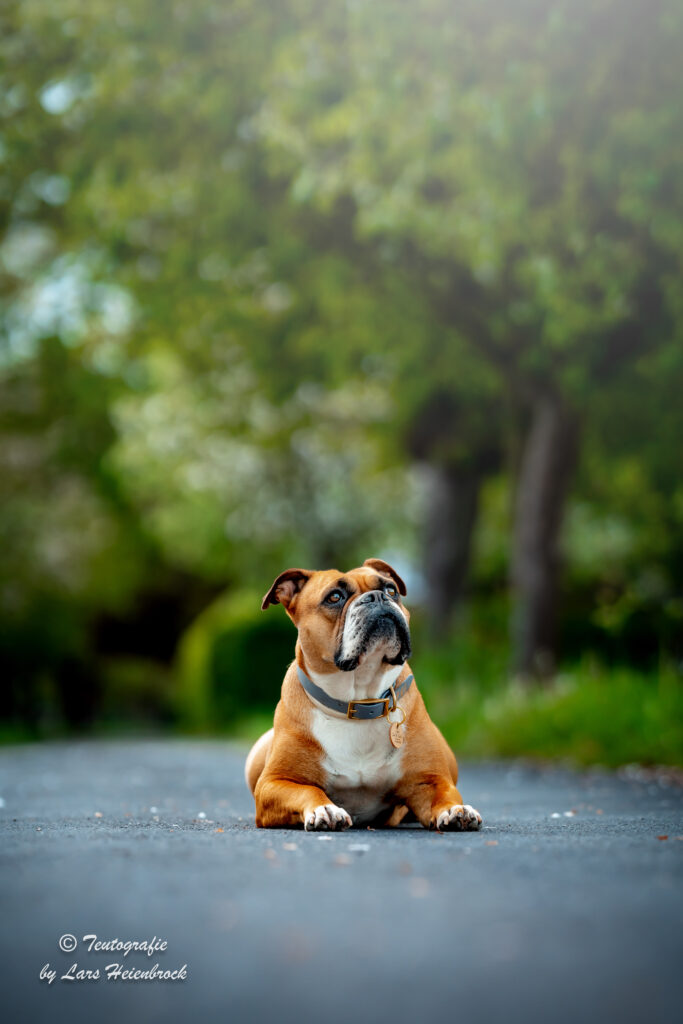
[{"x": 376, "y": 707}]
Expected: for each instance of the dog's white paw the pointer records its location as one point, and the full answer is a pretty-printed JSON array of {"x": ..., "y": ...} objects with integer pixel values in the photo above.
[
  {"x": 459, "y": 818},
  {"x": 327, "y": 817}
]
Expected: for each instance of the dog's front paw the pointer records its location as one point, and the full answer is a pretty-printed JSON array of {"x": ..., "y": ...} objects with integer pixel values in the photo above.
[
  {"x": 458, "y": 818},
  {"x": 327, "y": 817}
]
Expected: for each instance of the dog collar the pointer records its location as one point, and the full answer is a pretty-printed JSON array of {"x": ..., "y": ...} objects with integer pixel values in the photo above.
[{"x": 374, "y": 707}]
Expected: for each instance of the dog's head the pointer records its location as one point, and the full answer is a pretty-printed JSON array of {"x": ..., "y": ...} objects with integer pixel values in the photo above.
[{"x": 343, "y": 617}]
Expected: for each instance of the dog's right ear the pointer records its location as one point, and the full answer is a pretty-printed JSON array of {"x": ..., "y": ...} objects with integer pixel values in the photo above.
[{"x": 286, "y": 587}]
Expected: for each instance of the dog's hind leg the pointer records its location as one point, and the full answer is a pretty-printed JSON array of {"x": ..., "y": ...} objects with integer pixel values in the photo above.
[{"x": 256, "y": 759}]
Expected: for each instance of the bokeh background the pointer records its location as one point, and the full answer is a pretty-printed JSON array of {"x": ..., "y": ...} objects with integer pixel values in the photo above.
[{"x": 305, "y": 282}]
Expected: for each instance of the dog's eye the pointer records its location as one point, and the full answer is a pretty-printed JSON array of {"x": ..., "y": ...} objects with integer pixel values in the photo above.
[
  {"x": 391, "y": 590},
  {"x": 335, "y": 597}
]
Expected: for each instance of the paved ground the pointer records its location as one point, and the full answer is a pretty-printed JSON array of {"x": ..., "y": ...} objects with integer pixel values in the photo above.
[{"x": 546, "y": 915}]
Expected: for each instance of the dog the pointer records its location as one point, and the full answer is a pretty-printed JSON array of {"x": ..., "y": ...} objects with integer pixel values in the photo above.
[{"x": 352, "y": 743}]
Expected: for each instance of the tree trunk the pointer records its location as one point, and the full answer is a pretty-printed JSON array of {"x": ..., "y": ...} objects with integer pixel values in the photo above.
[
  {"x": 548, "y": 462},
  {"x": 452, "y": 503}
]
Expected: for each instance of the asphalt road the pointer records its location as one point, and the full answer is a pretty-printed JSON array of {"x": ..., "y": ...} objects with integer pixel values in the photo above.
[{"x": 566, "y": 907}]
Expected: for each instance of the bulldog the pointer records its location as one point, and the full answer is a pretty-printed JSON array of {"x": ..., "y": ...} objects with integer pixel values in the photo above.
[{"x": 352, "y": 743}]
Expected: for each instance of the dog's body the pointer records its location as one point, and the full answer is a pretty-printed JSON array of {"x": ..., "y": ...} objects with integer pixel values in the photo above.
[{"x": 317, "y": 767}]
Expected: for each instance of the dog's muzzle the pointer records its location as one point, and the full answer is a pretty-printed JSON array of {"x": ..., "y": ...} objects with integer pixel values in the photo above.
[{"x": 372, "y": 617}]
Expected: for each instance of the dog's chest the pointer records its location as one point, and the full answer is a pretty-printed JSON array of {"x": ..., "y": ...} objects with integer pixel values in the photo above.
[{"x": 361, "y": 765}]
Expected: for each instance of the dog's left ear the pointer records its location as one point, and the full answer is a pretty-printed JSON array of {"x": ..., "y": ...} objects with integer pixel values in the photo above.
[
  {"x": 380, "y": 566},
  {"x": 286, "y": 587}
]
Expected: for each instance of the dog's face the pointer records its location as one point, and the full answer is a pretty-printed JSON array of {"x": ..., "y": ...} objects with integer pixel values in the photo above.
[{"x": 343, "y": 617}]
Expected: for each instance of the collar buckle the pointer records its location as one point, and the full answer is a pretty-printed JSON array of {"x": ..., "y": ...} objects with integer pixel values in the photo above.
[{"x": 350, "y": 711}]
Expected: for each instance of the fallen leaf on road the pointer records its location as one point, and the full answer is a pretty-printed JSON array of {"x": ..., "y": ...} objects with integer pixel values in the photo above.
[
  {"x": 599, "y": 811},
  {"x": 342, "y": 860},
  {"x": 492, "y": 842},
  {"x": 662, "y": 837},
  {"x": 219, "y": 830}
]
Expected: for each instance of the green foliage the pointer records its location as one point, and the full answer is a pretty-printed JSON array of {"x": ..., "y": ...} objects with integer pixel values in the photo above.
[
  {"x": 248, "y": 249},
  {"x": 516, "y": 148},
  {"x": 591, "y": 714},
  {"x": 231, "y": 663},
  {"x": 588, "y": 716}
]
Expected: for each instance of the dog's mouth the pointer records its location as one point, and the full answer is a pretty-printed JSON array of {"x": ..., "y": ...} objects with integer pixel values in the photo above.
[{"x": 385, "y": 627}]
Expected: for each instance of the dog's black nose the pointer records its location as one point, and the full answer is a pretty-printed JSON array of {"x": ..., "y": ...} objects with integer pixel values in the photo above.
[{"x": 373, "y": 595}]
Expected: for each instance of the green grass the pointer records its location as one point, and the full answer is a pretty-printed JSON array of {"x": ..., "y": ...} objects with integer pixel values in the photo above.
[
  {"x": 11, "y": 734},
  {"x": 588, "y": 715}
]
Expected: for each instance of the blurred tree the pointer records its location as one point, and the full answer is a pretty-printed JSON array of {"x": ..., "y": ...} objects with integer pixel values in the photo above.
[
  {"x": 521, "y": 165},
  {"x": 142, "y": 253}
]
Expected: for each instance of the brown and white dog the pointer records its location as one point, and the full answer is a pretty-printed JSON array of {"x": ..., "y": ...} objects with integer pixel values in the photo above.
[{"x": 333, "y": 757}]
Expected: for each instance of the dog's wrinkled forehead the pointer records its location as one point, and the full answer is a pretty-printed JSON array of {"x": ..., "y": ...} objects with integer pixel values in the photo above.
[
  {"x": 367, "y": 579},
  {"x": 363, "y": 579}
]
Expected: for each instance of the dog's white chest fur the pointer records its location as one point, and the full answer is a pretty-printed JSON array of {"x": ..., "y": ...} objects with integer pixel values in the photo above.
[{"x": 361, "y": 764}]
